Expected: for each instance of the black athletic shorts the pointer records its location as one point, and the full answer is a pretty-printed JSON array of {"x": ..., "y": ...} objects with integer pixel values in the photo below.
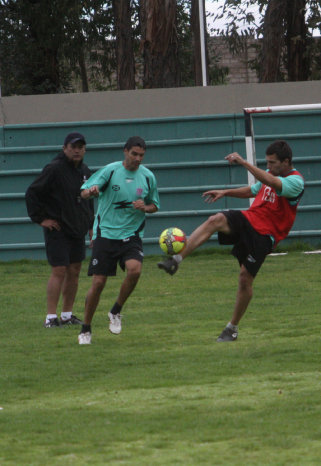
[
  {"x": 62, "y": 250},
  {"x": 108, "y": 252},
  {"x": 250, "y": 248}
]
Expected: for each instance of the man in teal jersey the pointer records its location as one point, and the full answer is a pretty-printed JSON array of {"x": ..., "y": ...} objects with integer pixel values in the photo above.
[{"x": 126, "y": 191}]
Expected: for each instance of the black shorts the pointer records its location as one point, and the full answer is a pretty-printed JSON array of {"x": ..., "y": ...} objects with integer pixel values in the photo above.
[
  {"x": 250, "y": 248},
  {"x": 108, "y": 252},
  {"x": 62, "y": 250}
]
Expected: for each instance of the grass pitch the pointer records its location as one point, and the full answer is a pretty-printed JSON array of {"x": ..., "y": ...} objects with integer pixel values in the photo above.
[{"x": 164, "y": 392}]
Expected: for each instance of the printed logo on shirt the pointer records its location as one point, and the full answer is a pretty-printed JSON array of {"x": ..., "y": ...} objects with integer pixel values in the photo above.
[
  {"x": 115, "y": 187},
  {"x": 123, "y": 204},
  {"x": 129, "y": 180},
  {"x": 268, "y": 195},
  {"x": 139, "y": 191}
]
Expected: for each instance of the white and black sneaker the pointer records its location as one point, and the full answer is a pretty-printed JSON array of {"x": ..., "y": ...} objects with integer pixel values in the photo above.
[
  {"x": 50, "y": 323},
  {"x": 72, "y": 321},
  {"x": 114, "y": 323},
  {"x": 84, "y": 338},
  {"x": 228, "y": 335}
]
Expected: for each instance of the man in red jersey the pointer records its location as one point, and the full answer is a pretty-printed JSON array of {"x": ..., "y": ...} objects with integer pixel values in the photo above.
[{"x": 253, "y": 232}]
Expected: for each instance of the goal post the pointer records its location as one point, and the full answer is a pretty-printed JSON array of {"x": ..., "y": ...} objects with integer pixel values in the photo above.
[{"x": 249, "y": 128}]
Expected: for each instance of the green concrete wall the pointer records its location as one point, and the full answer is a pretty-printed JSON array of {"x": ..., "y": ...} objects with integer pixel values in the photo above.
[{"x": 185, "y": 153}]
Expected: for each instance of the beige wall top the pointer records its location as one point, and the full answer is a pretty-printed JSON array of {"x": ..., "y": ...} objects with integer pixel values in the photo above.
[{"x": 153, "y": 103}]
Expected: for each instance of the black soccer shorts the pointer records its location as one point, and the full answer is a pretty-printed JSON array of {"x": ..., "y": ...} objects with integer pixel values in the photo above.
[
  {"x": 62, "y": 250},
  {"x": 107, "y": 253},
  {"x": 250, "y": 248}
]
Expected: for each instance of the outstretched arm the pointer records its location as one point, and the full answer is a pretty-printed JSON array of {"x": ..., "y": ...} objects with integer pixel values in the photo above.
[
  {"x": 261, "y": 175},
  {"x": 216, "y": 194}
]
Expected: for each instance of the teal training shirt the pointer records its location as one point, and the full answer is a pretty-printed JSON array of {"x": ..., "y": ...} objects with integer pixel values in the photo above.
[{"x": 116, "y": 217}]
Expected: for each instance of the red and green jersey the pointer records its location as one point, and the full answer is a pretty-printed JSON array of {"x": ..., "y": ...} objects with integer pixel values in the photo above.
[{"x": 273, "y": 213}]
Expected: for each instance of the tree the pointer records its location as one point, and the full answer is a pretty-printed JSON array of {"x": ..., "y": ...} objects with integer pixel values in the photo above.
[
  {"x": 287, "y": 49},
  {"x": 195, "y": 27},
  {"x": 45, "y": 45},
  {"x": 272, "y": 42},
  {"x": 54, "y": 46},
  {"x": 124, "y": 44},
  {"x": 297, "y": 41},
  {"x": 29, "y": 52},
  {"x": 159, "y": 43},
  {"x": 285, "y": 35},
  {"x": 98, "y": 28},
  {"x": 74, "y": 34}
]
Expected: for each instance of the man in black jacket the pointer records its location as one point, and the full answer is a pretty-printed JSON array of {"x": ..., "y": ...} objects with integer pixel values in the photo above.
[{"x": 54, "y": 202}]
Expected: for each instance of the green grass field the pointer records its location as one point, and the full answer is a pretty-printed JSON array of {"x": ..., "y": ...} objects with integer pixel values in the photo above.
[{"x": 164, "y": 392}]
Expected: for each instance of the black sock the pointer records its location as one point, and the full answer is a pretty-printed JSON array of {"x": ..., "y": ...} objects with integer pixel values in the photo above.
[
  {"x": 116, "y": 308},
  {"x": 85, "y": 328}
]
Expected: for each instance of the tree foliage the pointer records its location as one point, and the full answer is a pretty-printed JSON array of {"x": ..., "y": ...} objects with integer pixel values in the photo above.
[
  {"x": 46, "y": 46},
  {"x": 53, "y": 46},
  {"x": 284, "y": 29},
  {"x": 30, "y": 49}
]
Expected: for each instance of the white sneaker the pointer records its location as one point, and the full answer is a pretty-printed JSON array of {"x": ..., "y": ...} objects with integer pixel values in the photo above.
[
  {"x": 84, "y": 338},
  {"x": 114, "y": 323}
]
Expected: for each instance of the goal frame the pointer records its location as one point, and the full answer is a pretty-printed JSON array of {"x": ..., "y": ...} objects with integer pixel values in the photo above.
[{"x": 249, "y": 127}]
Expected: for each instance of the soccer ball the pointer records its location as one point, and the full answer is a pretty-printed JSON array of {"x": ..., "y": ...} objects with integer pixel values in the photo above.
[{"x": 172, "y": 241}]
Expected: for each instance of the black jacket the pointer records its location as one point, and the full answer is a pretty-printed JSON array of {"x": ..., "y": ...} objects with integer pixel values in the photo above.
[{"x": 55, "y": 194}]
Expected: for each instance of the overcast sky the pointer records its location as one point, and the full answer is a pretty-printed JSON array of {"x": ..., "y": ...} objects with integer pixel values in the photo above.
[{"x": 213, "y": 7}]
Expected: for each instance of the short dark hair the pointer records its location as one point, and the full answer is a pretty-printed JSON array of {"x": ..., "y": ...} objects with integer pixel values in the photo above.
[
  {"x": 281, "y": 149},
  {"x": 135, "y": 141}
]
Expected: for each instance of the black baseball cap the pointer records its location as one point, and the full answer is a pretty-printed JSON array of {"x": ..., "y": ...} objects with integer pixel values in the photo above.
[{"x": 74, "y": 137}]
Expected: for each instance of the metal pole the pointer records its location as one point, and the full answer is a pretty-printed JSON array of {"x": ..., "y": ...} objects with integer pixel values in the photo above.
[{"x": 202, "y": 40}]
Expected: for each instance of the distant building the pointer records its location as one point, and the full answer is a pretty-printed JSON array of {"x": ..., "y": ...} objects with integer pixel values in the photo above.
[{"x": 239, "y": 71}]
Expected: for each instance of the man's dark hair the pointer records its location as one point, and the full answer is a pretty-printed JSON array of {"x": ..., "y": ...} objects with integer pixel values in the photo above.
[
  {"x": 135, "y": 141},
  {"x": 281, "y": 149}
]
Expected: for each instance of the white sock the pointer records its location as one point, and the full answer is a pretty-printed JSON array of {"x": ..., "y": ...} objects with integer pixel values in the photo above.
[
  {"x": 50, "y": 316},
  {"x": 178, "y": 258},
  {"x": 232, "y": 327},
  {"x": 66, "y": 315}
]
